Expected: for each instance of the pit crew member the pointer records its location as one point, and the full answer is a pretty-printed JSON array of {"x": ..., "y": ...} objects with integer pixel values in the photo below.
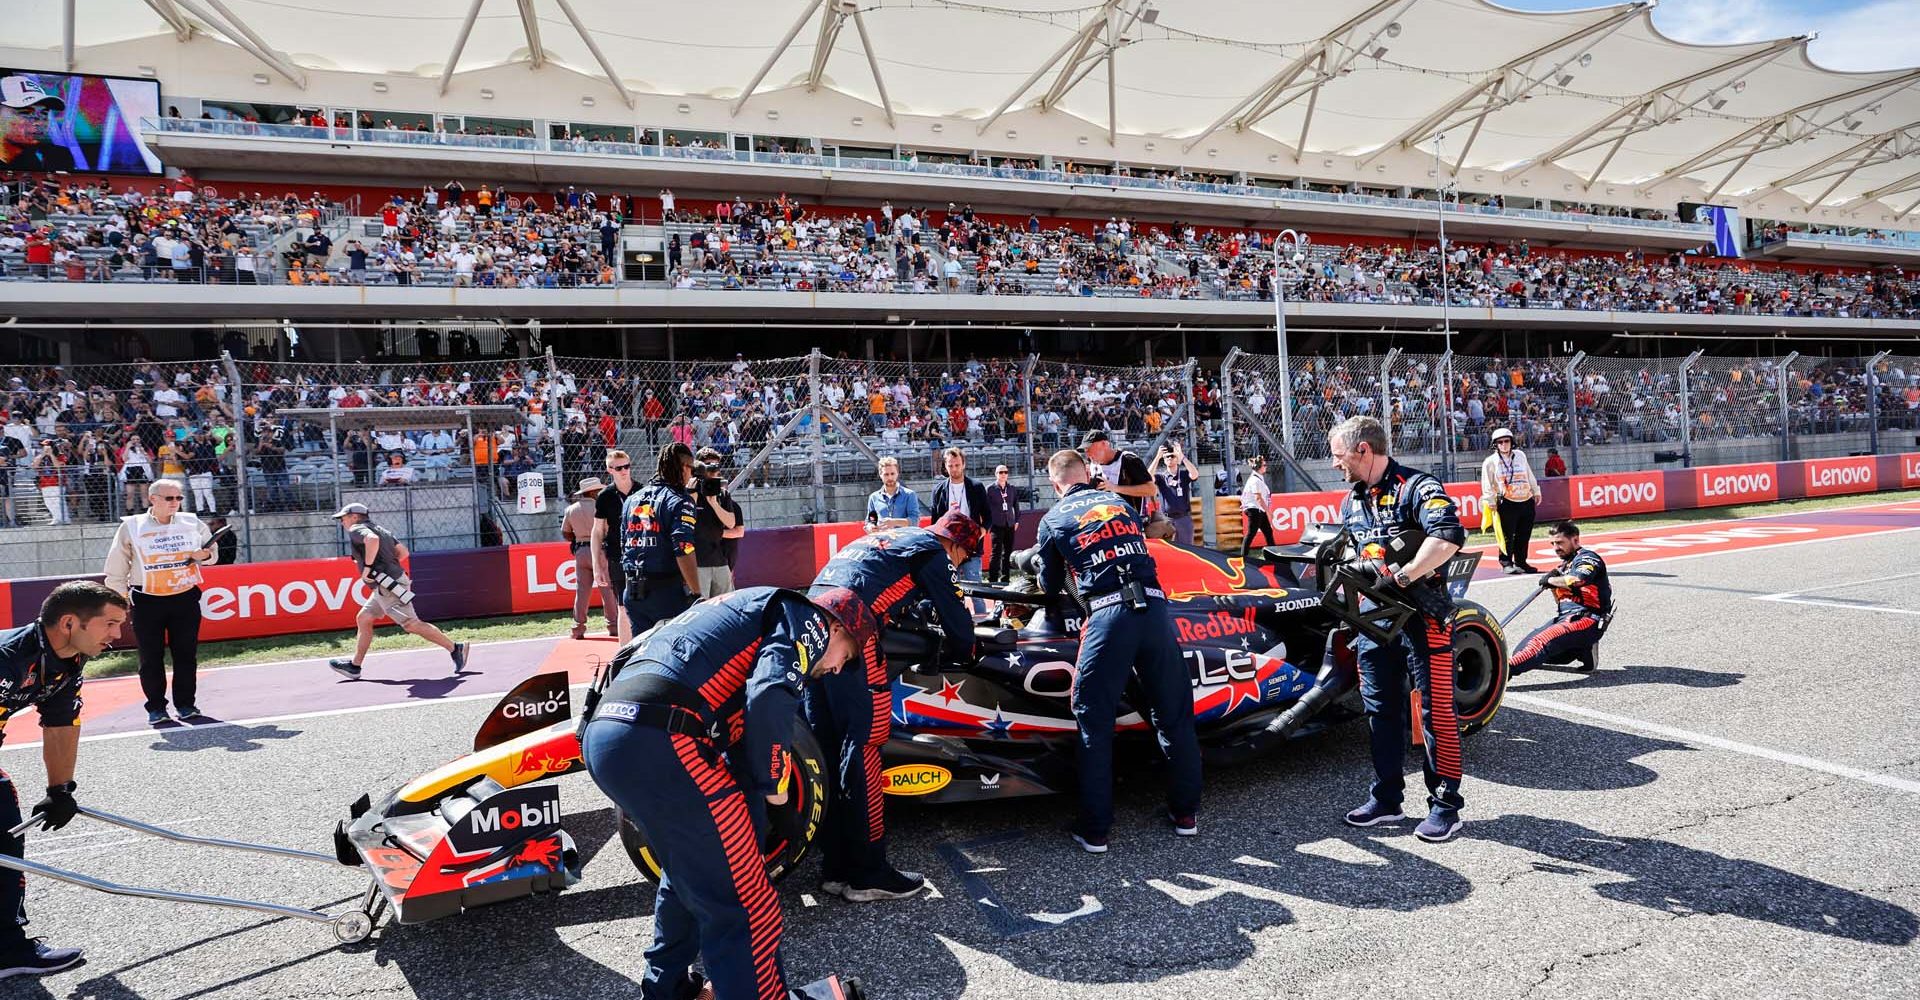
[
  {"x": 711, "y": 692},
  {"x": 1389, "y": 499},
  {"x": 382, "y": 562},
  {"x": 1096, "y": 537},
  {"x": 656, "y": 542},
  {"x": 851, "y": 712},
  {"x": 1583, "y": 607},
  {"x": 40, "y": 665}
]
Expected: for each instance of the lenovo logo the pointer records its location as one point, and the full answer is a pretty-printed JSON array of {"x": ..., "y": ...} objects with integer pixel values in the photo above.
[
  {"x": 1736, "y": 485},
  {"x": 1910, "y": 470},
  {"x": 1846, "y": 475},
  {"x": 295, "y": 597},
  {"x": 1604, "y": 497}
]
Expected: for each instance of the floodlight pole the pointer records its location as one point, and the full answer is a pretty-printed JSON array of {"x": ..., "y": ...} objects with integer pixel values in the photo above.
[
  {"x": 1285, "y": 388},
  {"x": 1446, "y": 319}
]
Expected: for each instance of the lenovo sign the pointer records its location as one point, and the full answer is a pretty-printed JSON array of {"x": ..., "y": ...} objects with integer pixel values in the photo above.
[
  {"x": 1910, "y": 470},
  {"x": 1718, "y": 485},
  {"x": 320, "y": 594},
  {"x": 1294, "y": 513},
  {"x": 1622, "y": 493},
  {"x": 1832, "y": 476}
]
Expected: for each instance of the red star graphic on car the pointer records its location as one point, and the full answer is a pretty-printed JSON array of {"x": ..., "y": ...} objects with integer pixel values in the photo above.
[
  {"x": 949, "y": 691},
  {"x": 1223, "y": 700}
]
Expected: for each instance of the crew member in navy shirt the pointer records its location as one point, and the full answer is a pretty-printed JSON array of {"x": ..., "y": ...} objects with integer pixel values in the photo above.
[{"x": 1175, "y": 475}]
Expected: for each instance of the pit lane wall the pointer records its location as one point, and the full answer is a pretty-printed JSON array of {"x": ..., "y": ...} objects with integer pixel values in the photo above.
[
  {"x": 1651, "y": 491},
  {"x": 257, "y": 600}
]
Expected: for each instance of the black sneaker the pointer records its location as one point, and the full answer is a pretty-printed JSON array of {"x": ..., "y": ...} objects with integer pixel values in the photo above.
[
  {"x": 895, "y": 884},
  {"x": 1374, "y": 814},
  {"x": 459, "y": 657},
  {"x": 36, "y": 959},
  {"x": 1184, "y": 826},
  {"x": 1589, "y": 662},
  {"x": 186, "y": 713},
  {"x": 158, "y": 716},
  {"x": 1091, "y": 845},
  {"x": 345, "y": 668}
]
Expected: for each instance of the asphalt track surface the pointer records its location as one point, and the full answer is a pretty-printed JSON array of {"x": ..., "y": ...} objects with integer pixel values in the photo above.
[{"x": 1723, "y": 810}]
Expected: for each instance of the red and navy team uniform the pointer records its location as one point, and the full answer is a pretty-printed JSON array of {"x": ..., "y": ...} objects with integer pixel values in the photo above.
[
  {"x": 30, "y": 677},
  {"x": 1093, "y": 536},
  {"x": 1405, "y": 498},
  {"x": 1582, "y": 610},
  {"x": 656, "y": 529},
  {"x": 688, "y": 740},
  {"x": 851, "y": 712}
]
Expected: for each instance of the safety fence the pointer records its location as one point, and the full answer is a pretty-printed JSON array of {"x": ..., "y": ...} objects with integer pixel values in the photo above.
[{"x": 463, "y": 450}]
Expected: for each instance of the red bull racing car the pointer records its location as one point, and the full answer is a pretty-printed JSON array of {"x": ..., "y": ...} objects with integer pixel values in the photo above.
[{"x": 1265, "y": 654}]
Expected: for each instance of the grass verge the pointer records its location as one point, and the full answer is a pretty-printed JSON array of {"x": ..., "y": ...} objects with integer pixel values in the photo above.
[{"x": 329, "y": 644}]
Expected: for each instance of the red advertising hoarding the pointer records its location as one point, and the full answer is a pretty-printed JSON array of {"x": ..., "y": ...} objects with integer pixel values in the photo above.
[
  {"x": 1619, "y": 493},
  {"x": 1293, "y": 513},
  {"x": 1719, "y": 485},
  {"x": 1832, "y": 476},
  {"x": 1910, "y": 469},
  {"x": 544, "y": 577}
]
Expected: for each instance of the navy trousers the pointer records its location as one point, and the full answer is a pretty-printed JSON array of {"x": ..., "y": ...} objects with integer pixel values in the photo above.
[
  {"x": 714, "y": 899},
  {"x": 13, "y": 885},
  {"x": 1116, "y": 644},
  {"x": 851, "y": 714},
  {"x": 660, "y": 604},
  {"x": 1559, "y": 641},
  {"x": 1424, "y": 654}
]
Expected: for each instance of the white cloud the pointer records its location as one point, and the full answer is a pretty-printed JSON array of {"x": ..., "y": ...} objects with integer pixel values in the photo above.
[{"x": 1879, "y": 34}]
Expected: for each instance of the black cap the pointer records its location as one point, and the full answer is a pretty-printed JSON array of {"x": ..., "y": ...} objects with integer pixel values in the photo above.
[{"x": 1093, "y": 436}]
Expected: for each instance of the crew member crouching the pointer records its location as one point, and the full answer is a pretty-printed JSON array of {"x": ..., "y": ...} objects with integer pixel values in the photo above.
[
  {"x": 1583, "y": 607},
  {"x": 851, "y": 712},
  {"x": 717, "y": 686}
]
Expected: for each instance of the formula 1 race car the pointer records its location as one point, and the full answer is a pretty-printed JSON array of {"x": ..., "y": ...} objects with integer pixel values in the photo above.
[{"x": 1263, "y": 641}]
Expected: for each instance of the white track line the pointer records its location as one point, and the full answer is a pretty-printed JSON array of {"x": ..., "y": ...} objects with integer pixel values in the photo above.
[
  {"x": 1732, "y": 746},
  {"x": 1772, "y": 546},
  {"x": 1817, "y": 603}
]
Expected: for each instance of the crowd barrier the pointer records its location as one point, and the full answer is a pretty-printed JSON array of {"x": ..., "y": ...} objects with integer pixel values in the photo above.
[
  {"x": 1652, "y": 491},
  {"x": 257, "y": 600}
]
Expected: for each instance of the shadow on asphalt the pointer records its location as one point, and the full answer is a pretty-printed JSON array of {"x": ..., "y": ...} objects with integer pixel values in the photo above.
[
  {"x": 1534, "y": 750},
  {"x": 1685, "y": 881},
  {"x": 231, "y": 738},
  {"x": 1630, "y": 676}
]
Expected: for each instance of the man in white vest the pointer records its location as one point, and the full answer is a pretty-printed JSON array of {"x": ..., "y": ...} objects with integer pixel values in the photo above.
[{"x": 154, "y": 561}]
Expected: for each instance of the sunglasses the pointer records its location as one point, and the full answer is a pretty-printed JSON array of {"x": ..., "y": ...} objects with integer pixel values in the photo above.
[
  {"x": 619, "y": 468},
  {"x": 166, "y": 499}
]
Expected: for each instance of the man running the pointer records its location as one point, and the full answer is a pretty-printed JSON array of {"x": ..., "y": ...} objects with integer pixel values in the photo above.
[
  {"x": 1584, "y": 606},
  {"x": 382, "y": 562}
]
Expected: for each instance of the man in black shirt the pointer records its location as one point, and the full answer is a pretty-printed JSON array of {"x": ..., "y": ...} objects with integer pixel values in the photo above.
[
  {"x": 1003, "y": 503},
  {"x": 720, "y": 521},
  {"x": 607, "y": 571},
  {"x": 1117, "y": 471},
  {"x": 203, "y": 458}
]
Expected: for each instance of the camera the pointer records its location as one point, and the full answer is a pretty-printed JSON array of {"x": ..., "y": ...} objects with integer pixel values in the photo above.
[{"x": 711, "y": 485}]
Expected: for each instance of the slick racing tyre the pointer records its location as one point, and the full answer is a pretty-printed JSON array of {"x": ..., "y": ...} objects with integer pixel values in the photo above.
[
  {"x": 1479, "y": 667},
  {"x": 792, "y": 827}
]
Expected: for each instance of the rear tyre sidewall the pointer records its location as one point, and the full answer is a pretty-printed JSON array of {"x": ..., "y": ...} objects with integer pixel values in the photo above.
[
  {"x": 1479, "y": 667},
  {"x": 795, "y": 825}
]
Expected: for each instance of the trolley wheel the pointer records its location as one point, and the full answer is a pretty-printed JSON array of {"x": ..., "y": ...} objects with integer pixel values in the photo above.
[{"x": 353, "y": 927}]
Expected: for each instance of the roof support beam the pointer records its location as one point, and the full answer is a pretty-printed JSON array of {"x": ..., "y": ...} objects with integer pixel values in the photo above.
[
  {"x": 873, "y": 63},
  {"x": 1670, "y": 92},
  {"x": 1742, "y": 164},
  {"x": 1868, "y": 152},
  {"x": 606, "y": 65},
  {"x": 1906, "y": 183},
  {"x": 1769, "y": 126},
  {"x": 239, "y": 34},
  {"x": 1909, "y": 211},
  {"x": 1842, "y": 179},
  {"x": 1267, "y": 97},
  {"x": 831, "y": 21},
  {"x": 1500, "y": 83},
  {"x": 459, "y": 46},
  {"x": 66, "y": 34},
  {"x": 530, "y": 24},
  {"x": 182, "y": 28},
  {"x": 1078, "y": 58},
  {"x": 1313, "y": 101},
  {"x": 774, "y": 56}
]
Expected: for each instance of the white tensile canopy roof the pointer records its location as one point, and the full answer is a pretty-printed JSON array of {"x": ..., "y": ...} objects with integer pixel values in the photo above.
[{"x": 1600, "y": 92}]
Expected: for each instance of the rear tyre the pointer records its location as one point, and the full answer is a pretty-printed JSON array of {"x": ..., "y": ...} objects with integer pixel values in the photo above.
[
  {"x": 1479, "y": 667},
  {"x": 792, "y": 827}
]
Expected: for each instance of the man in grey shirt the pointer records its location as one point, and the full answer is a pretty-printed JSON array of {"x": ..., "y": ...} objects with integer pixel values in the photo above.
[{"x": 380, "y": 558}]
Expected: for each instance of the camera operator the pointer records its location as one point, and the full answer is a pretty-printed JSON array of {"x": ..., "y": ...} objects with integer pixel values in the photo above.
[{"x": 720, "y": 522}]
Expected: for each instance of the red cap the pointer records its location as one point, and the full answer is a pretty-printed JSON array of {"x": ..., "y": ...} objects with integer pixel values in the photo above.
[
  {"x": 959, "y": 529},
  {"x": 849, "y": 610}
]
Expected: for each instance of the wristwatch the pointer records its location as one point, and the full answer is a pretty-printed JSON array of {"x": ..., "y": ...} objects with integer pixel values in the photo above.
[{"x": 1400, "y": 577}]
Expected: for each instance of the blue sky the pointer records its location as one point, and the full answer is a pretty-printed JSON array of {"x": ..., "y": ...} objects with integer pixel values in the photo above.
[{"x": 1854, "y": 34}]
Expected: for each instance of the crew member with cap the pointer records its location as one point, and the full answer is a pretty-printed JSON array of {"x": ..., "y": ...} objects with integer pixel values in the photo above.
[
  {"x": 26, "y": 127},
  {"x": 851, "y": 712},
  {"x": 1118, "y": 472},
  {"x": 1509, "y": 494},
  {"x": 609, "y": 576},
  {"x": 717, "y": 687},
  {"x": 656, "y": 542},
  {"x": 1092, "y": 536},
  {"x": 40, "y": 666},
  {"x": 1390, "y": 500},
  {"x": 154, "y": 560},
  {"x": 381, "y": 559},
  {"x": 576, "y": 526},
  {"x": 1583, "y": 607}
]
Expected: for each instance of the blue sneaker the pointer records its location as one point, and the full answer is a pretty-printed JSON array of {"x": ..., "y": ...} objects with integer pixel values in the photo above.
[
  {"x": 1439, "y": 826},
  {"x": 1374, "y": 814},
  {"x": 158, "y": 717}
]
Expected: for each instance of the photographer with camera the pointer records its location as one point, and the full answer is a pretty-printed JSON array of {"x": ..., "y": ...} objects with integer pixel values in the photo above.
[{"x": 721, "y": 523}]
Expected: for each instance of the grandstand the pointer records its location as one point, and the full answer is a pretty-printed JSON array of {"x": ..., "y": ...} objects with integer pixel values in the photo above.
[{"x": 807, "y": 249}]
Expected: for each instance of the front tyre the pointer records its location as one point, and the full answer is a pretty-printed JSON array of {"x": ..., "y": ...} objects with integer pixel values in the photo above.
[
  {"x": 1479, "y": 667},
  {"x": 792, "y": 826}
]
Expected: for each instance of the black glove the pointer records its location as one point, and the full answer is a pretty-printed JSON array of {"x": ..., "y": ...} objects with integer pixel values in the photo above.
[
  {"x": 58, "y": 808},
  {"x": 1372, "y": 571},
  {"x": 1546, "y": 581}
]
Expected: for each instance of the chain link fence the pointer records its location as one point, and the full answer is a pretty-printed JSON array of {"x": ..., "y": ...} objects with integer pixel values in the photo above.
[{"x": 1896, "y": 380}]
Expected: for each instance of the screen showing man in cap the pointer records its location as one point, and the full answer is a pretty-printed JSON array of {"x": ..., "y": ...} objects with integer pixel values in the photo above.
[
  {"x": 26, "y": 127},
  {"x": 381, "y": 558}
]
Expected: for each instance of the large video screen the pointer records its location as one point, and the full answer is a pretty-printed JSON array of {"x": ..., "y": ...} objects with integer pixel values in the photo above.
[{"x": 76, "y": 121}]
